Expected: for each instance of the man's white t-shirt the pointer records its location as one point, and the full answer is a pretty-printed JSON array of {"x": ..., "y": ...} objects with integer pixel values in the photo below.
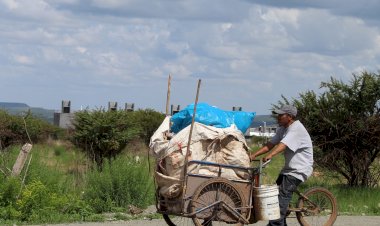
[{"x": 299, "y": 150}]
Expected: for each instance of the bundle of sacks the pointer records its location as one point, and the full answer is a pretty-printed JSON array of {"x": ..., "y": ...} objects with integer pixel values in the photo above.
[{"x": 208, "y": 143}]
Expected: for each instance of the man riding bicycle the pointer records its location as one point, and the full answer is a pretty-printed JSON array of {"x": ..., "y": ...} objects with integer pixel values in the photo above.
[{"x": 294, "y": 141}]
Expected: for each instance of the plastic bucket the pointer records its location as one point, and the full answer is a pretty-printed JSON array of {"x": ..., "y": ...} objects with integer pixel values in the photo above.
[{"x": 265, "y": 202}]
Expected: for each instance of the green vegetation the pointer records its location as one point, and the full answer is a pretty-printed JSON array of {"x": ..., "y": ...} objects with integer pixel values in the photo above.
[
  {"x": 104, "y": 134},
  {"x": 61, "y": 182},
  {"x": 121, "y": 182},
  {"x": 62, "y": 186},
  {"x": 344, "y": 123},
  {"x": 12, "y": 129}
]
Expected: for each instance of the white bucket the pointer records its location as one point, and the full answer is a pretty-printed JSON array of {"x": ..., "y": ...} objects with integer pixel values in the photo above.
[{"x": 265, "y": 202}]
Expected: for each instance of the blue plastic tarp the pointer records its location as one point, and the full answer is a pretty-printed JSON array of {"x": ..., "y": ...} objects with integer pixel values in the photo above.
[{"x": 212, "y": 116}]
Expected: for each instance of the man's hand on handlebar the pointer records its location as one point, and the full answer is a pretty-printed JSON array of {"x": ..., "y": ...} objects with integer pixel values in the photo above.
[
  {"x": 266, "y": 161},
  {"x": 267, "y": 158},
  {"x": 252, "y": 157}
]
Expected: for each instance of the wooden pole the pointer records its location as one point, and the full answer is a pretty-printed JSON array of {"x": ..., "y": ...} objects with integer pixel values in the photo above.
[
  {"x": 192, "y": 123},
  {"x": 168, "y": 95},
  {"x": 189, "y": 142},
  {"x": 168, "y": 100},
  {"x": 20, "y": 162}
]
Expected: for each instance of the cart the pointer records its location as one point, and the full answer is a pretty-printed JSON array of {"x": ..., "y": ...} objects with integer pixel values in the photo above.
[{"x": 215, "y": 199}]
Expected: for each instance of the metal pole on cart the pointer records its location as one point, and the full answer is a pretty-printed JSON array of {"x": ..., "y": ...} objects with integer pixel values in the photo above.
[{"x": 189, "y": 142}]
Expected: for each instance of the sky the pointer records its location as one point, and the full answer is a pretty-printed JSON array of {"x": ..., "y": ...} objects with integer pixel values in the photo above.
[{"x": 246, "y": 53}]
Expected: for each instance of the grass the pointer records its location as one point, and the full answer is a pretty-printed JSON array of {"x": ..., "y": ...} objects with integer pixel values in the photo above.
[
  {"x": 351, "y": 201},
  {"x": 120, "y": 183}
]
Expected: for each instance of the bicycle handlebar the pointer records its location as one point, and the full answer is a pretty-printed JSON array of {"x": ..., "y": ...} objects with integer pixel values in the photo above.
[{"x": 266, "y": 163}]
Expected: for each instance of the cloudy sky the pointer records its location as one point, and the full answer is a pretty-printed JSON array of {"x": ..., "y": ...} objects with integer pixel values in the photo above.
[{"x": 247, "y": 53}]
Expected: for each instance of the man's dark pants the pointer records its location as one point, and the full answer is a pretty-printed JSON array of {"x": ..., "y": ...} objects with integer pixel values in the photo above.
[{"x": 287, "y": 185}]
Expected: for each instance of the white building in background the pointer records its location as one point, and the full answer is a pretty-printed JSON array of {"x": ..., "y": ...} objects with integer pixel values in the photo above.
[{"x": 266, "y": 131}]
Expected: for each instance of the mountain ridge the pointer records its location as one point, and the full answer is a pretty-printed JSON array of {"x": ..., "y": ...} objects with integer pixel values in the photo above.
[
  {"x": 15, "y": 108},
  {"x": 13, "y": 105}
]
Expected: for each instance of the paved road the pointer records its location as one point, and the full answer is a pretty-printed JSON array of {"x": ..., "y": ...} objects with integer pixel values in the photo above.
[{"x": 341, "y": 221}]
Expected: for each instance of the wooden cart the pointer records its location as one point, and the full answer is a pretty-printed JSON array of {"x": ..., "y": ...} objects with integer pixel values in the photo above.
[{"x": 207, "y": 199}]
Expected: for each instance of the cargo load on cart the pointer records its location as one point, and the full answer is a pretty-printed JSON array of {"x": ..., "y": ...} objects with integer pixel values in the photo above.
[{"x": 215, "y": 137}]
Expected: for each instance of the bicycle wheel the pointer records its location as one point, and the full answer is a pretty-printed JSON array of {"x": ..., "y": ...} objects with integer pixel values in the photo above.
[
  {"x": 173, "y": 220},
  {"x": 319, "y": 209},
  {"x": 219, "y": 198}
]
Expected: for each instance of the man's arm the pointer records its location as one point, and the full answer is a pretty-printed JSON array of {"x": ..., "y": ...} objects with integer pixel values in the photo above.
[
  {"x": 276, "y": 150},
  {"x": 267, "y": 147}
]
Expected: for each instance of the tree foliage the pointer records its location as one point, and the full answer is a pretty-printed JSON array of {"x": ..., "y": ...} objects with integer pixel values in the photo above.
[
  {"x": 16, "y": 129},
  {"x": 344, "y": 123},
  {"x": 104, "y": 134},
  {"x": 148, "y": 121}
]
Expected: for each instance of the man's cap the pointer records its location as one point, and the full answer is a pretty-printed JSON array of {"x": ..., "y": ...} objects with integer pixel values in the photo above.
[{"x": 286, "y": 109}]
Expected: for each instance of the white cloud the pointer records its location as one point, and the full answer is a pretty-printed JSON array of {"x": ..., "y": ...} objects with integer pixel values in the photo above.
[
  {"x": 81, "y": 49},
  {"x": 226, "y": 26},
  {"x": 22, "y": 59},
  {"x": 282, "y": 16},
  {"x": 10, "y": 4}
]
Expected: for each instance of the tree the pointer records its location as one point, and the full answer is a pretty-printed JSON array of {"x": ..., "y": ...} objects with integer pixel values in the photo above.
[
  {"x": 344, "y": 123},
  {"x": 103, "y": 134}
]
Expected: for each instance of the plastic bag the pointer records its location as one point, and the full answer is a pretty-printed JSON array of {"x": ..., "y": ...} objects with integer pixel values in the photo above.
[{"x": 212, "y": 116}]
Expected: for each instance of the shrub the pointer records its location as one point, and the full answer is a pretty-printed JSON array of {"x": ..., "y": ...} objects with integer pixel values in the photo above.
[
  {"x": 103, "y": 134},
  {"x": 38, "y": 203},
  {"x": 9, "y": 189},
  {"x": 9, "y": 130},
  {"x": 19, "y": 130},
  {"x": 34, "y": 197}
]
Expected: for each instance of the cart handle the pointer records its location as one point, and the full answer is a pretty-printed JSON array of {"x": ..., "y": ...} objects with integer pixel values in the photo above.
[{"x": 221, "y": 165}]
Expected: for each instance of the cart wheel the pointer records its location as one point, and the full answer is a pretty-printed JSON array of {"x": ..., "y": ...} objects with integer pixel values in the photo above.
[
  {"x": 320, "y": 208},
  {"x": 173, "y": 220},
  {"x": 208, "y": 196}
]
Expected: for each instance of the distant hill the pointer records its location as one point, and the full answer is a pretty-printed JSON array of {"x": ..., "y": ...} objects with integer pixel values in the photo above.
[
  {"x": 13, "y": 105},
  {"x": 20, "y": 108}
]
